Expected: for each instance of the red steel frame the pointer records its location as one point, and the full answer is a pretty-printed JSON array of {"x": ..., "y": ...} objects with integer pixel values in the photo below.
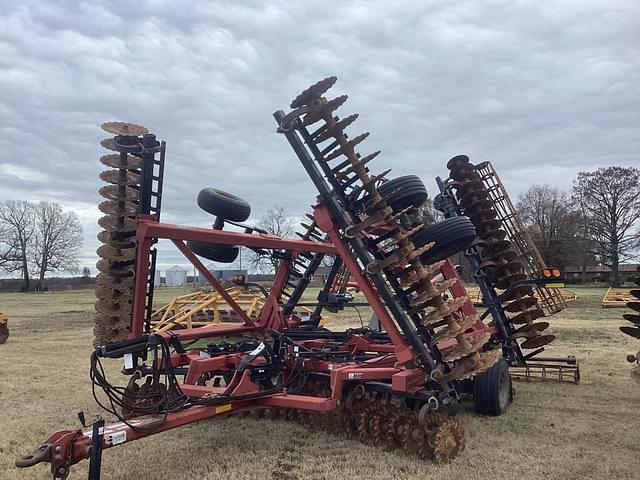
[{"x": 68, "y": 447}]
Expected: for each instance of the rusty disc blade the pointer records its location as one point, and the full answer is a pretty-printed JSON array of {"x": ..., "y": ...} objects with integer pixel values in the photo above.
[
  {"x": 478, "y": 243},
  {"x": 632, "y": 318},
  {"x": 495, "y": 236},
  {"x": 116, "y": 271},
  {"x": 464, "y": 173},
  {"x": 527, "y": 317},
  {"x": 483, "y": 216},
  {"x": 509, "y": 268},
  {"x": 541, "y": 326},
  {"x": 112, "y": 316},
  {"x": 470, "y": 176},
  {"x": 117, "y": 240},
  {"x": 451, "y": 331},
  {"x": 116, "y": 192},
  {"x": 104, "y": 279},
  {"x": 537, "y": 342},
  {"x": 124, "y": 129},
  {"x": 314, "y": 91},
  {"x": 324, "y": 110},
  {"x": 496, "y": 246},
  {"x": 109, "y": 144},
  {"x": 472, "y": 344},
  {"x": 520, "y": 305},
  {"x": 118, "y": 177},
  {"x": 351, "y": 144},
  {"x": 468, "y": 186},
  {"x": 504, "y": 282},
  {"x": 116, "y": 254},
  {"x": 632, "y": 331},
  {"x": 339, "y": 126},
  {"x": 117, "y": 161},
  {"x": 635, "y": 306},
  {"x": 517, "y": 291},
  {"x": 473, "y": 365},
  {"x": 457, "y": 161},
  {"x": 505, "y": 256},
  {"x": 115, "y": 224},
  {"x": 118, "y": 209},
  {"x": 447, "y": 308},
  {"x": 104, "y": 336},
  {"x": 487, "y": 360},
  {"x": 488, "y": 225},
  {"x": 472, "y": 196},
  {"x": 475, "y": 202},
  {"x": 531, "y": 329},
  {"x": 477, "y": 206},
  {"x": 112, "y": 310},
  {"x": 488, "y": 234},
  {"x": 109, "y": 295}
]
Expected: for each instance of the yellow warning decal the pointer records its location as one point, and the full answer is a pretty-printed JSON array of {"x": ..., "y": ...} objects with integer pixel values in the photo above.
[
  {"x": 223, "y": 408},
  {"x": 554, "y": 285}
]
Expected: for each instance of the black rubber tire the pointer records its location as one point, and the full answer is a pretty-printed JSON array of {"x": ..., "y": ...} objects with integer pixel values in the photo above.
[
  {"x": 450, "y": 236},
  {"x": 409, "y": 192},
  {"x": 223, "y": 204},
  {"x": 492, "y": 390},
  {"x": 215, "y": 251}
]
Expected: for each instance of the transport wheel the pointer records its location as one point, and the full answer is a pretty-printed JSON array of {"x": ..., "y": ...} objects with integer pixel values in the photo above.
[
  {"x": 449, "y": 236},
  {"x": 492, "y": 393},
  {"x": 214, "y": 251},
  {"x": 403, "y": 192},
  {"x": 223, "y": 204}
]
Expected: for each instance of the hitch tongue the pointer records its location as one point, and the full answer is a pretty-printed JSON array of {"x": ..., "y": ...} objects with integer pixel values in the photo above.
[{"x": 41, "y": 454}]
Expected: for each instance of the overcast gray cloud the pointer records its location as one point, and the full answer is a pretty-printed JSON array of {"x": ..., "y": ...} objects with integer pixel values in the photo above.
[{"x": 542, "y": 89}]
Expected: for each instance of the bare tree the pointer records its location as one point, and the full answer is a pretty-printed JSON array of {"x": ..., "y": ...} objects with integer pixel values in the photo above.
[
  {"x": 277, "y": 222},
  {"x": 554, "y": 223},
  {"x": 17, "y": 229},
  {"x": 57, "y": 240},
  {"x": 610, "y": 200}
]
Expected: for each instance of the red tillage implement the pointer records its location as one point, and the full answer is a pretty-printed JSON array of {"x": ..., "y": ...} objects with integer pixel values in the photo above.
[{"x": 397, "y": 386}]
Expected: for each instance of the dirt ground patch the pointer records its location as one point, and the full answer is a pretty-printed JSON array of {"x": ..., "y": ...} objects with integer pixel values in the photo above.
[{"x": 552, "y": 431}]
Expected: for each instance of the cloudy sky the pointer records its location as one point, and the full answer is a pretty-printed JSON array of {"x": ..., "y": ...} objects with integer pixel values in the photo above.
[{"x": 542, "y": 89}]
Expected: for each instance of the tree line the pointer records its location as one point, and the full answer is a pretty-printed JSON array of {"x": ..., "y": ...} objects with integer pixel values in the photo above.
[
  {"x": 38, "y": 238},
  {"x": 597, "y": 223}
]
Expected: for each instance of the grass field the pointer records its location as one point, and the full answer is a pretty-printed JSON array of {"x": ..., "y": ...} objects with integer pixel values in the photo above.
[{"x": 552, "y": 431}]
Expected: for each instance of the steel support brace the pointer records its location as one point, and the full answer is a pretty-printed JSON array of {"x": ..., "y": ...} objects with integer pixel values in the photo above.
[{"x": 186, "y": 251}]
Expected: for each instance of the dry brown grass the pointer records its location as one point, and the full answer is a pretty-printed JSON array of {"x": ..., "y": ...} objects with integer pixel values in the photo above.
[{"x": 552, "y": 431}]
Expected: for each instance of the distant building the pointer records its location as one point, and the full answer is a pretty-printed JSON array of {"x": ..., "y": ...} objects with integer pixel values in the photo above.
[
  {"x": 175, "y": 276},
  {"x": 320, "y": 277},
  {"x": 598, "y": 273},
  {"x": 221, "y": 275}
]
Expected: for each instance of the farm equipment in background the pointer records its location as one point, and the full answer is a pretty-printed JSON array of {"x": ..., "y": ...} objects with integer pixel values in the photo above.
[
  {"x": 398, "y": 387},
  {"x": 201, "y": 308},
  {"x": 634, "y": 331},
  {"x": 517, "y": 287},
  {"x": 617, "y": 297},
  {"x": 4, "y": 328}
]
